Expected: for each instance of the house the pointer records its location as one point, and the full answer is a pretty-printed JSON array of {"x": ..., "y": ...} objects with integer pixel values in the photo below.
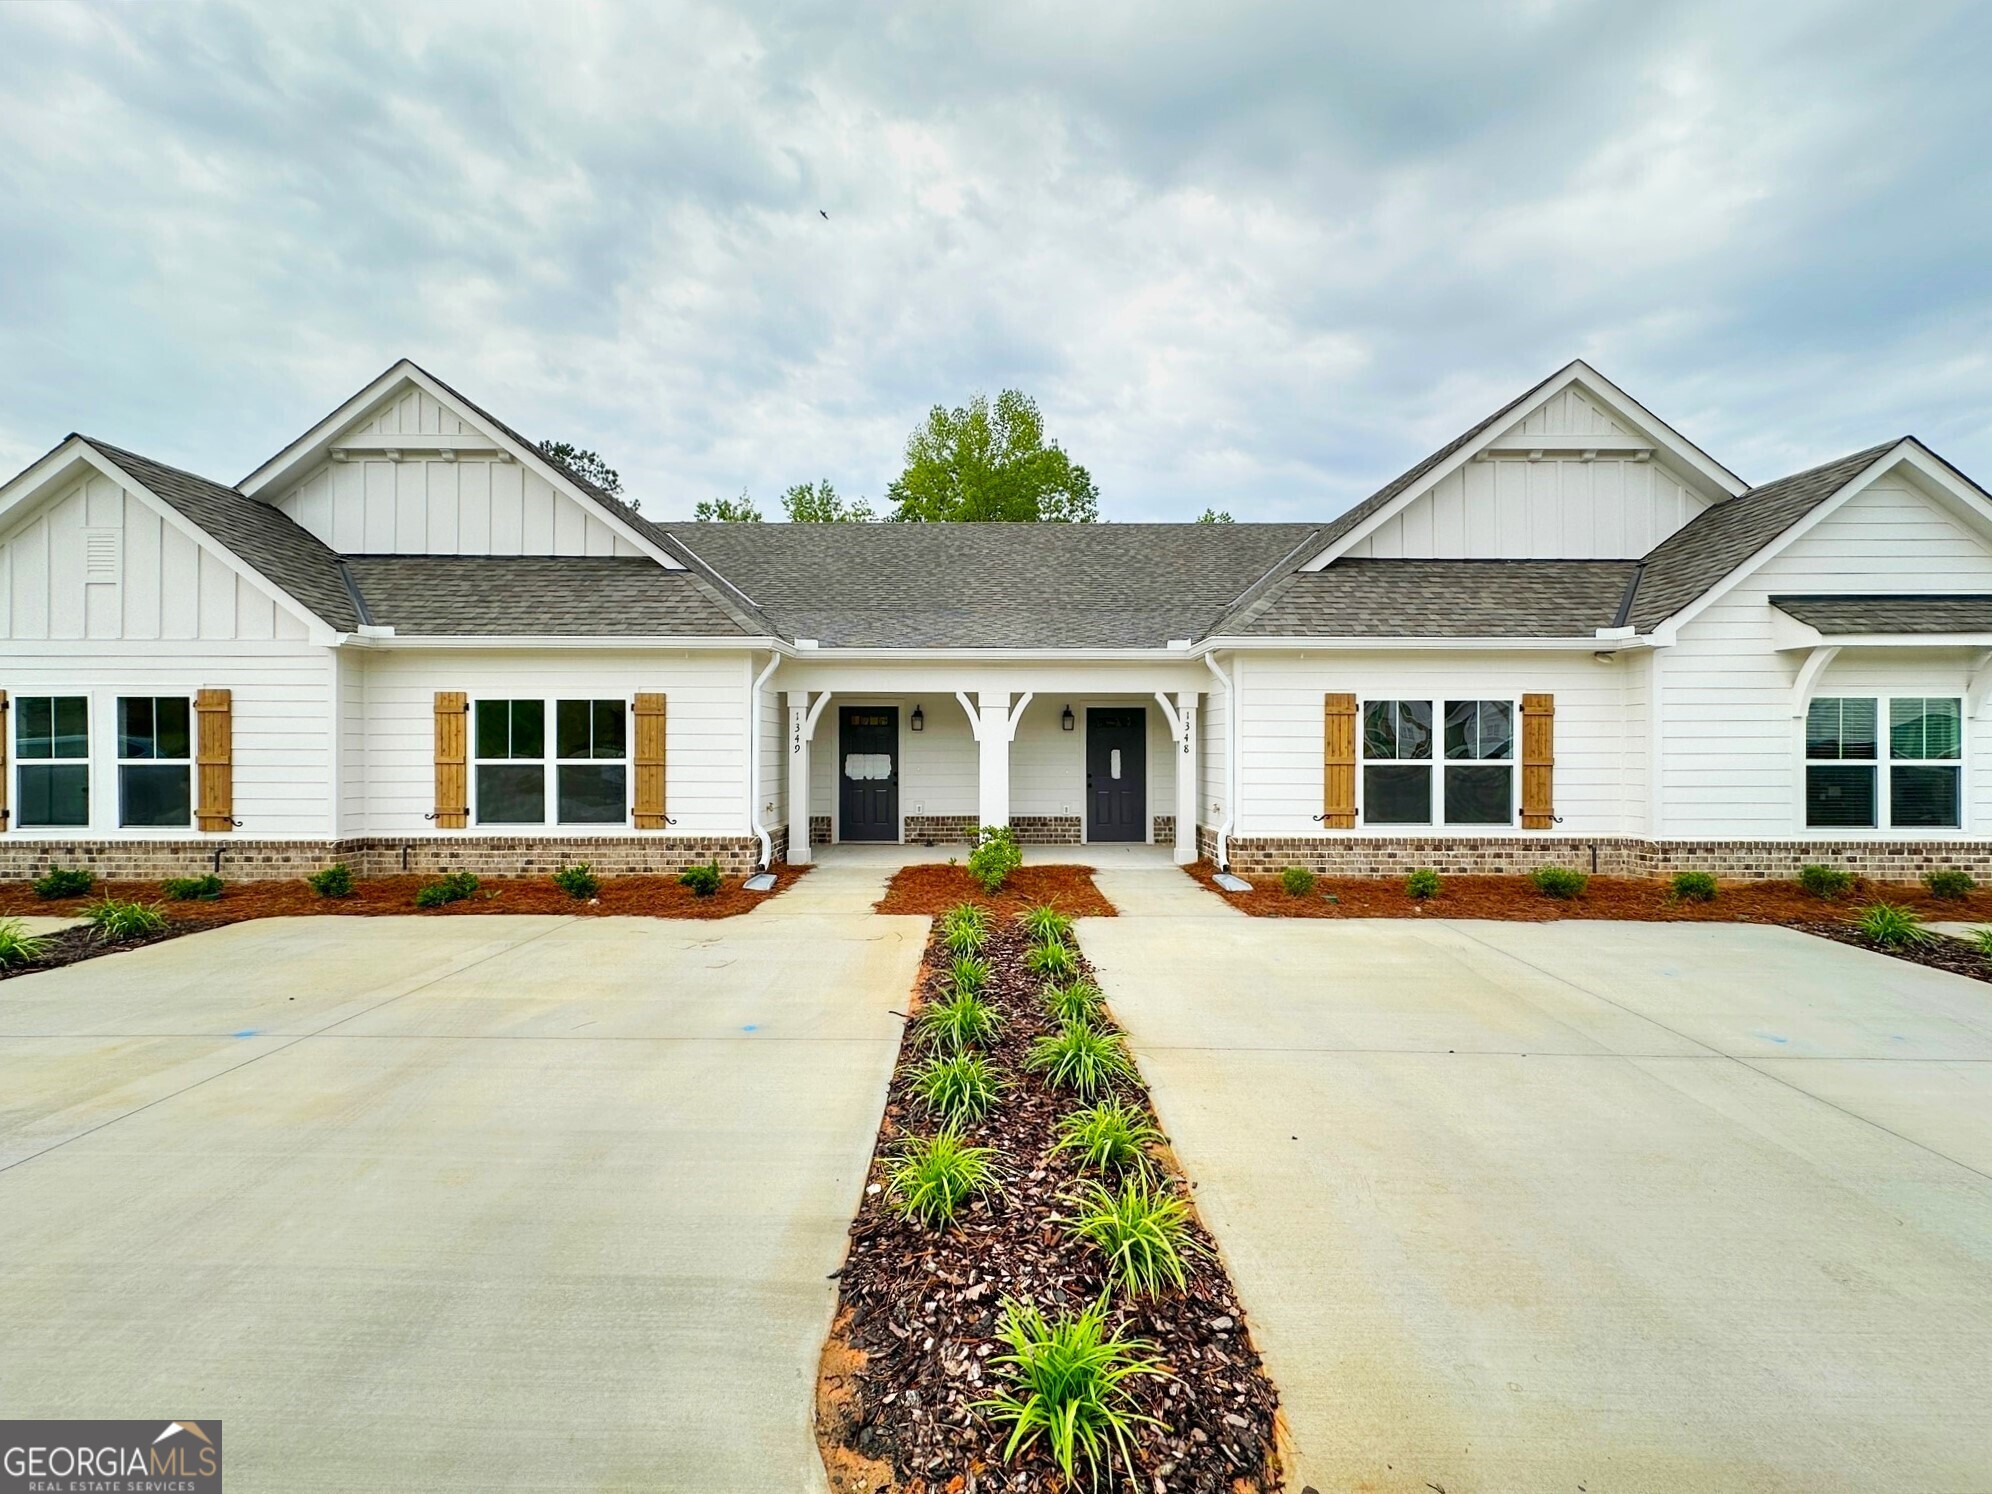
[{"x": 408, "y": 640}]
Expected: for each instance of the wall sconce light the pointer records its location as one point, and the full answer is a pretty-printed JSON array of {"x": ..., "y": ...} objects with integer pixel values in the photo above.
[
  {"x": 918, "y": 721},
  {"x": 1065, "y": 722}
]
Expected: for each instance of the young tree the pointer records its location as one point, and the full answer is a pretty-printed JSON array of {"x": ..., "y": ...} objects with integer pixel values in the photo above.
[
  {"x": 739, "y": 510},
  {"x": 991, "y": 461},
  {"x": 818, "y": 503},
  {"x": 585, "y": 465},
  {"x": 1215, "y": 516}
]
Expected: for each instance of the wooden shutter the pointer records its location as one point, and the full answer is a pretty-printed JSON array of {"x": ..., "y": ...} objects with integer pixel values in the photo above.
[
  {"x": 648, "y": 762},
  {"x": 452, "y": 760},
  {"x": 214, "y": 760},
  {"x": 1338, "y": 762},
  {"x": 1538, "y": 761},
  {"x": 6, "y": 776}
]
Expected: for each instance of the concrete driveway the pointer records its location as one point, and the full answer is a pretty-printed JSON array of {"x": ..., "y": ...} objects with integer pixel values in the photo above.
[
  {"x": 466, "y": 1203},
  {"x": 1616, "y": 1207}
]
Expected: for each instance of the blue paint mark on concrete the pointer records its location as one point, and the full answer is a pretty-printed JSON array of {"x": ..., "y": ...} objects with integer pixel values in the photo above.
[
  {"x": 752, "y": 1027},
  {"x": 1771, "y": 1037},
  {"x": 246, "y": 1032}
]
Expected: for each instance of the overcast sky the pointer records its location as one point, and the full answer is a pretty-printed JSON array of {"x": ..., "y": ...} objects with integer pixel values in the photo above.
[{"x": 1257, "y": 256}]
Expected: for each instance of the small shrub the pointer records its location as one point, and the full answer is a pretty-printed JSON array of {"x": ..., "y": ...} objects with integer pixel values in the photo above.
[
  {"x": 968, "y": 973},
  {"x": 1143, "y": 1230},
  {"x": 1825, "y": 881},
  {"x": 114, "y": 922},
  {"x": 1950, "y": 883},
  {"x": 451, "y": 887},
  {"x": 960, "y": 1087},
  {"x": 703, "y": 880},
  {"x": 1080, "y": 1057},
  {"x": 1053, "y": 961},
  {"x": 1982, "y": 937},
  {"x": 1108, "y": 1137},
  {"x": 335, "y": 880},
  {"x": 60, "y": 881},
  {"x": 17, "y": 945},
  {"x": 1071, "y": 1385},
  {"x": 1561, "y": 882},
  {"x": 1045, "y": 924},
  {"x": 1891, "y": 927},
  {"x": 995, "y": 856},
  {"x": 578, "y": 881},
  {"x": 963, "y": 1021},
  {"x": 933, "y": 1176},
  {"x": 1694, "y": 887},
  {"x": 1297, "y": 881},
  {"x": 965, "y": 928},
  {"x": 1075, "y": 1001},
  {"x": 192, "y": 889},
  {"x": 1422, "y": 883}
]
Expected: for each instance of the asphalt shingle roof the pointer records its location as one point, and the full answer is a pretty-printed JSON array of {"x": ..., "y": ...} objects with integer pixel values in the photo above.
[
  {"x": 1840, "y": 615},
  {"x": 469, "y": 596},
  {"x": 1441, "y": 599}
]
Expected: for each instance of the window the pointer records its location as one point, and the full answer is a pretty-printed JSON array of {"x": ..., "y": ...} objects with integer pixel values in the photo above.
[
  {"x": 1843, "y": 763},
  {"x": 1397, "y": 762},
  {"x": 589, "y": 764},
  {"x": 591, "y": 740},
  {"x": 155, "y": 769},
  {"x": 1480, "y": 762},
  {"x": 1477, "y": 786},
  {"x": 511, "y": 762},
  {"x": 52, "y": 747},
  {"x": 1925, "y": 745}
]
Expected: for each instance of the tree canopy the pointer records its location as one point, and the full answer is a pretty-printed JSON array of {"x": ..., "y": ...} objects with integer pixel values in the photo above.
[
  {"x": 585, "y": 465},
  {"x": 819, "y": 503},
  {"x": 1216, "y": 516},
  {"x": 988, "y": 461},
  {"x": 739, "y": 510}
]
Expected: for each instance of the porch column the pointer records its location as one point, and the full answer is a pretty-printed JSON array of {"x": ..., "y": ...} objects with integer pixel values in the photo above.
[
  {"x": 992, "y": 732},
  {"x": 798, "y": 779},
  {"x": 1186, "y": 777}
]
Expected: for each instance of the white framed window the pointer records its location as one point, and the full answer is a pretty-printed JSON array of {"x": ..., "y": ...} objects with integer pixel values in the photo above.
[
  {"x": 1925, "y": 762},
  {"x": 52, "y": 761},
  {"x": 591, "y": 762},
  {"x": 1845, "y": 761},
  {"x": 1397, "y": 762},
  {"x": 1467, "y": 777},
  {"x": 155, "y": 762},
  {"x": 1480, "y": 762},
  {"x": 583, "y": 780}
]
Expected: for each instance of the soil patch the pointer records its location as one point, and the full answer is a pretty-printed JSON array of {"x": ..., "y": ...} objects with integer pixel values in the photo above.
[
  {"x": 920, "y": 1309},
  {"x": 68, "y": 946},
  {"x": 933, "y": 889}
]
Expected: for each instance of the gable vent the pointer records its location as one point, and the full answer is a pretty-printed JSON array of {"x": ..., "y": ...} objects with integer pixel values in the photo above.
[{"x": 102, "y": 552}]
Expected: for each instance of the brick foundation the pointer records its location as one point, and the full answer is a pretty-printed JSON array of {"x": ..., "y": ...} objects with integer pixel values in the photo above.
[
  {"x": 490, "y": 856},
  {"x": 1047, "y": 829},
  {"x": 940, "y": 829},
  {"x": 819, "y": 829},
  {"x": 1163, "y": 832}
]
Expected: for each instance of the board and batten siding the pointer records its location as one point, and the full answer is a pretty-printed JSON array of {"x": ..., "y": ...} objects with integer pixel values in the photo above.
[
  {"x": 1731, "y": 739},
  {"x": 422, "y": 505}
]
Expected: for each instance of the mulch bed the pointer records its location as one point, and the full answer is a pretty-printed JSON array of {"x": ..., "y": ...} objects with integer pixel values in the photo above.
[
  {"x": 932, "y": 890},
  {"x": 68, "y": 946},
  {"x": 919, "y": 1310}
]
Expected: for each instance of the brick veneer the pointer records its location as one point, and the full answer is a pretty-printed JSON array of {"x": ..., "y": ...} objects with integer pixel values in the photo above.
[
  {"x": 819, "y": 829},
  {"x": 1047, "y": 829},
  {"x": 494, "y": 856},
  {"x": 1164, "y": 830},
  {"x": 940, "y": 829}
]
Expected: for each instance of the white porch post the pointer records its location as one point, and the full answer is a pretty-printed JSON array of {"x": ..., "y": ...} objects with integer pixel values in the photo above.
[
  {"x": 992, "y": 732},
  {"x": 798, "y": 779},
  {"x": 1186, "y": 777}
]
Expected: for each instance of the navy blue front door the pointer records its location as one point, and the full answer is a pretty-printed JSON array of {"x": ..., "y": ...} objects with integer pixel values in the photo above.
[
  {"x": 1117, "y": 773},
  {"x": 868, "y": 773}
]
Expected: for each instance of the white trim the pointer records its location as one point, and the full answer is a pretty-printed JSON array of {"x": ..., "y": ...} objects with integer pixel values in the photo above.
[
  {"x": 656, "y": 644},
  {"x": 1882, "y": 764},
  {"x": 549, "y": 764},
  {"x": 1437, "y": 762},
  {"x": 754, "y": 825},
  {"x": 1815, "y": 664}
]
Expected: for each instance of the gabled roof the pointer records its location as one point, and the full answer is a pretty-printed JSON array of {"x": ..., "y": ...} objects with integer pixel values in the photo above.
[
  {"x": 1853, "y": 614},
  {"x": 1360, "y": 598},
  {"x": 559, "y": 596}
]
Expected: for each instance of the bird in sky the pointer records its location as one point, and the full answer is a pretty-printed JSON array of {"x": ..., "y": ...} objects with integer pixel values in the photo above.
[{"x": 823, "y": 215}]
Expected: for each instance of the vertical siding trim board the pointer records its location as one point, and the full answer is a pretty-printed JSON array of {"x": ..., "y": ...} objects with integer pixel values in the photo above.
[
  {"x": 452, "y": 807},
  {"x": 214, "y": 760},
  {"x": 649, "y": 762},
  {"x": 1538, "y": 761},
  {"x": 1338, "y": 760},
  {"x": 6, "y": 770}
]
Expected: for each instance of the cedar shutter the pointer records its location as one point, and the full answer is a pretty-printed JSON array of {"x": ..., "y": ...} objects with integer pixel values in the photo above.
[
  {"x": 452, "y": 760},
  {"x": 1538, "y": 761},
  {"x": 1338, "y": 761},
  {"x": 6, "y": 777},
  {"x": 649, "y": 763},
  {"x": 214, "y": 760}
]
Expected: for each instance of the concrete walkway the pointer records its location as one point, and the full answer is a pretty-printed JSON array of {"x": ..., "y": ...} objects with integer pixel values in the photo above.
[
  {"x": 1625, "y": 1207},
  {"x": 449, "y": 1204}
]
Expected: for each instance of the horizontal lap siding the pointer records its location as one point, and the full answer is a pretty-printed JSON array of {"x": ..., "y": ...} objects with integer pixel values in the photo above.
[
  {"x": 1212, "y": 782},
  {"x": 1048, "y": 763}
]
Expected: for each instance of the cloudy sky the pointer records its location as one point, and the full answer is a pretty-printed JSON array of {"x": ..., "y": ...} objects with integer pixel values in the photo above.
[{"x": 1253, "y": 255}]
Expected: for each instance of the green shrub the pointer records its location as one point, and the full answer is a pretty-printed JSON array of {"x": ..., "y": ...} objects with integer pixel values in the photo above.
[
  {"x": 1561, "y": 882},
  {"x": 1825, "y": 881},
  {"x": 1296, "y": 881},
  {"x": 1694, "y": 886},
  {"x": 1891, "y": 927},
  {"x": 933, "y": 1176},
  {"x": 960, "y": 1087},
  {"x": 968, "y": 973},
  {"x": 1950, "y": 883},
  {"x": 114, "y": 922},
  {"x": 1982, "y": 937},
  {"x": 965, "y": 928},
  {"x": 1075, "y": 1001},
  {"x": 1053, "y": 961},
  {"x": 61, "y": 881},
  {"x": 703, "y": 880},
  {"x": 17, "y": 945},
  {"x": 995, "y": 856},
  {"x": 335, "y": 880},
  {"x": 1143, "y": 1229},
  {"x": 192, "y": 889},
  {"x": 1113, "y": 1135},
  {"x": 1071, "y": 1385},
  {"x": 1080, "y": 1057},
  {"x": 1422, "y": 883},
  {"x": 963, "y": 1021},
  {"x": 451, "y": 887},
  {"x": 1045, "y": 924},
  {"x": 578, "y": 881}
]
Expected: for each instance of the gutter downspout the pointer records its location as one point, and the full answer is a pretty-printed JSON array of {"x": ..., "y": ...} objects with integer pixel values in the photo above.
[
  {"x": 1230, "y": 764},
  {"x": 754, "y": 761}
]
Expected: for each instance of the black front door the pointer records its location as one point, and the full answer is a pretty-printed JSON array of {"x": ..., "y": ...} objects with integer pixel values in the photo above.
[
  {"x": 868, "y": 772},
  {"x": 1117, "y": 773}
]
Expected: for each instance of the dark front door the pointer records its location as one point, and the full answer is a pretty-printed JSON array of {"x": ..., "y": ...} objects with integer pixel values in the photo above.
[
  {"x": 1117, "y": 773},
  {"x": 868, "y": 772}
]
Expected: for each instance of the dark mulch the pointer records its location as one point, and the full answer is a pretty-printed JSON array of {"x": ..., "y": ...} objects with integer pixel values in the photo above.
[
  {"x": 1939, "y": 951},
  {"x": 631, "y": 896},
  {"x": 919, "y": 1310},
  {"x": 933, "y": 889},
  {"x": 68, "y": 946}
]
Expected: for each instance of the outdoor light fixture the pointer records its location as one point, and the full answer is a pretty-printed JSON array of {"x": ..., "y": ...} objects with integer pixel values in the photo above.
[
  {"x": 918, "y": 722},
  {"x": 1065, "y": 721}
]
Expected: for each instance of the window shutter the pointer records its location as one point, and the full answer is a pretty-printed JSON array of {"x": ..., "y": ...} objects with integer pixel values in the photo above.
[
  {"x": 649, "y": 763},
  {"x": 1538, "y": 761},
  {"x": 452, "y": 760},
  {"x": 1338, "y": 761},
  {"x": 6, "y": 776},
  {"x": 214, "y": 760}
]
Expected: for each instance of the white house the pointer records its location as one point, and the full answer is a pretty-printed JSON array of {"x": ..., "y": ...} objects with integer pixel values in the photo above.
[{"x": 409, "y": 640}]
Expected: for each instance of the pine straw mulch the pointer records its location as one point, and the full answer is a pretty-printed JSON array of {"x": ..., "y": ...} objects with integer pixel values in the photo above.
[
  {"x": 931, "y": 890},
  {"x": 918, "y": 1312}
]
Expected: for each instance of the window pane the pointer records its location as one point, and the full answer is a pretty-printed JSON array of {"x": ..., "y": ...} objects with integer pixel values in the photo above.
[
  {"x": 55, "y": 795},
  {"x": 1841, "y": 728},
  {"x": 1919, "y": 728},
  {"x": 34, "y": 726},
  {"x": 1924, "y": 798},
  {"x": 571, "y": 728},
  {"x": 511, "y": 796},
  {"x": 1400, "y": 729},
  {"x": 592, "y": 795},
  {"x": 611, "y": 725},
  {"x": 1840, "y": 798},
  {"x": 72, "y": 726},
  {"x": 494, "y": 728},
  {"x": 511, "y": 728},
  {"x": 528, "y": 728},
  {"x": 1397, "y": 796},
  {"x": 135, "y": 726},
  {"x": 1482, "y": 729},
  {"x": 1379, "y": 728},
  {"x": 1479, "y": 796},
  {"x": 171, "y": 737},
  {"x": 152, "y": 795}
]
